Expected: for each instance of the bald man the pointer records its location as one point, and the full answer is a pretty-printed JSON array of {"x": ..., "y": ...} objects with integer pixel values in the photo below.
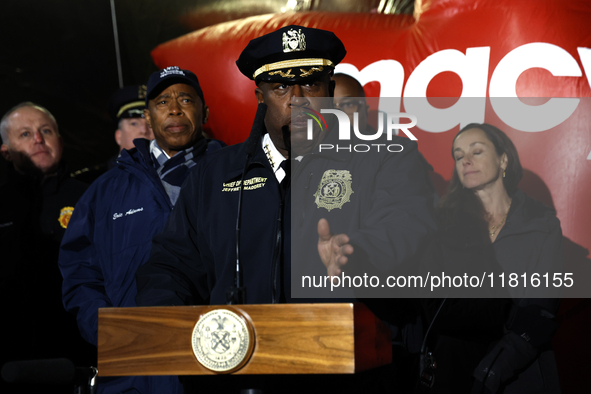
[
  {"x": 30, "y": 139},
  {"x": 31, "y": 142},
  {"x": 37, "y": 198}
]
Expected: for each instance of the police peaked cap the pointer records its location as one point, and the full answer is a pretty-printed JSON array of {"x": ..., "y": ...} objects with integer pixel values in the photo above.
[
  {"x": 128, "y": 102},
  {"x": 291, "y": 54}
]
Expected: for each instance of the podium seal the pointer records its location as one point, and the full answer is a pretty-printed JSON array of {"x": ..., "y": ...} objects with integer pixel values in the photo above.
[{"x": 222, "y": 340}]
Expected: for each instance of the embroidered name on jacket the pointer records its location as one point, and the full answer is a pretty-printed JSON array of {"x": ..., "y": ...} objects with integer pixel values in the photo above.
[
  {"x": 130, "y": 212},
  {"x": 334, "y": 189},
  {"x": 249, "y": 184}
]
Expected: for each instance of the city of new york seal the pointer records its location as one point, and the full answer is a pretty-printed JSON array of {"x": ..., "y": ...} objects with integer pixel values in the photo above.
[{"x": 221, "y": 340}]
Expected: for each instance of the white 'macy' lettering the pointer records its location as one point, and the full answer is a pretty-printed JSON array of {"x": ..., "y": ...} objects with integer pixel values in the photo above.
[{"x": 473, "y": 69}]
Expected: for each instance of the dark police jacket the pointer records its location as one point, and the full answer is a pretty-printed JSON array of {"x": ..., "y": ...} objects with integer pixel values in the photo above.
[
  {"x": 110, "y": 235},
  {"x": 108, "y": 238},
  {"x": 193, "y": 260}
]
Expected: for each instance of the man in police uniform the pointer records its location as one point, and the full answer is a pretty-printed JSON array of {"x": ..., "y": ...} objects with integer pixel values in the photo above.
[
  {"x": 37, "y": 198},
  {"x": 111, "y": 232},
  {"x": 32, "y": 144},
  {"x": 127, "y": 109},
  {"x": 193, "y": 260}
]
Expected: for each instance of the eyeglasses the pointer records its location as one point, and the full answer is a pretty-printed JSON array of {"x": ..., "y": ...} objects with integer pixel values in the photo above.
[{"x": 349, "y": 106}]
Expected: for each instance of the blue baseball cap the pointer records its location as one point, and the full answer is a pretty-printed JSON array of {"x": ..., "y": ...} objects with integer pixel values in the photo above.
[{"x": 160, "y": 80}]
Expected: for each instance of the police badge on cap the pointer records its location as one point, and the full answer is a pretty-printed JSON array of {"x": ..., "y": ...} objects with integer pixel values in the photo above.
[{"x": 291, "y": 54}]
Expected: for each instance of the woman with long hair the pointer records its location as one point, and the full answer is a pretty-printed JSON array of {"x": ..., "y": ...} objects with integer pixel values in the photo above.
[{"x": 494, "y": 345}]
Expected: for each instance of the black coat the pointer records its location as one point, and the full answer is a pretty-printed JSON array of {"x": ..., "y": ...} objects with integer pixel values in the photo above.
[
  {"x": 509, "y": 336},
  {"x": 33, "y": 217},
  {"x": 387, "y": 217},
  {"x": 193, "y": 260}
]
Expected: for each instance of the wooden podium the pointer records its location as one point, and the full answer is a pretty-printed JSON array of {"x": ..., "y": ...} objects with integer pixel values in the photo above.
[{"x": 287, "y": 339}]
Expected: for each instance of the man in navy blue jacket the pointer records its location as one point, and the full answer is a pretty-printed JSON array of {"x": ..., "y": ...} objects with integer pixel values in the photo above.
[
  {"x": 193, "y": 260},
  {"x": 110, "y": 233}
]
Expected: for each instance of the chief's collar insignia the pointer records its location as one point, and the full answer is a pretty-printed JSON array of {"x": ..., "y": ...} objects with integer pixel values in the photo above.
[
  {"x": 294, "y": 41},
  {"x": 334, "y": 189},
  {"x": 269, "y": 156}
]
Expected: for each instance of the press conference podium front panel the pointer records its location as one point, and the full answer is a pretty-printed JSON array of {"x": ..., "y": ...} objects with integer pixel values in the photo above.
[{"x": 283, "y": 339}]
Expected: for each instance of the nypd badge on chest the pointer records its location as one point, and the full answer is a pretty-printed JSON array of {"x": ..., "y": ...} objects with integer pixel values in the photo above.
[
  {"x": 222, "y": 340},
  {"x": 334, "y": 189}
]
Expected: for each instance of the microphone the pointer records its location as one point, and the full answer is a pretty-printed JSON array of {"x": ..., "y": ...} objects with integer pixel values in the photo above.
[
  {"x": 279, "y": 235},
  {"x": 236, "y": 294}
]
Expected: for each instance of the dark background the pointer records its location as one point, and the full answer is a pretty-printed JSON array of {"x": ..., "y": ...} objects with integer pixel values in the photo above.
[{"x": 61, "y": 54}]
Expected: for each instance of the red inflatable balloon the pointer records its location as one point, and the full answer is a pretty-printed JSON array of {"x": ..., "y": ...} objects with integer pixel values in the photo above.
[
  {"x": 451, "y": 48},
  {"x": 500, "y": 49}
]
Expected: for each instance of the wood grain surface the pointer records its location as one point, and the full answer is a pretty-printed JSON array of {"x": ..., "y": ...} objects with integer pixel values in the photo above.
[{"x": 289, "y": 339}]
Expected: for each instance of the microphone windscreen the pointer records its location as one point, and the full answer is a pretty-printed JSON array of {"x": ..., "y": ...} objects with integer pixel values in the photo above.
[{"x": 51, "y": 371}]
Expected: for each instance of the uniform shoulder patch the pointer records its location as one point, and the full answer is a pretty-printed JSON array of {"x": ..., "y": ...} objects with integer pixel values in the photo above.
[{"x": 65, "y": 215}]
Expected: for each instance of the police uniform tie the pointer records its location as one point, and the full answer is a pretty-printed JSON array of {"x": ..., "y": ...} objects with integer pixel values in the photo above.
[{"x": 285, "y": 182}]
